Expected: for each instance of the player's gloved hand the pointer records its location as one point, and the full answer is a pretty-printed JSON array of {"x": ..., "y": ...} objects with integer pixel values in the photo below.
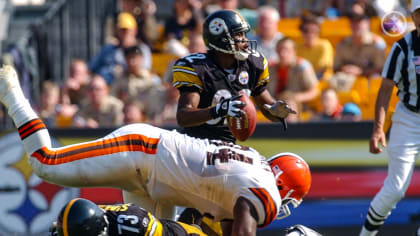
[
  {"x": 281, "y": 110},
  {"x": 53, "y": 229},
  {"x": 301, "y": 230},
  {"x": 228, "y": 106}
]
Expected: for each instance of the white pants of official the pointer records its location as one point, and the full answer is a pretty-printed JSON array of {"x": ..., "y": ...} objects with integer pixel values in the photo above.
[{"x": 403, "y": 151}]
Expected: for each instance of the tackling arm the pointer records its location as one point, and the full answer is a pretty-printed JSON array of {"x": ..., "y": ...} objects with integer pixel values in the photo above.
[{"x": 244, "y": 223}]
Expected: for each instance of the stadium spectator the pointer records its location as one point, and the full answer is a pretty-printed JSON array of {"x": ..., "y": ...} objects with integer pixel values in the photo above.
[
  {"x": 99, "y": 109},
  {"x": 299, "y": 8},
  {"x": 364, "y": 7},
  {"x": 292, "y": 75},
  {"x": 140, "y": 84},
  {"x": 109, "y": 61},
  {"x": 75, "y": 87},
  {"x": 196, "y": 43},
  {"x": 246, "y": 8},
  {"x": 351, "y": 112},
  {"x": 133, "y": 112},
  {"x": 168, "y": 114},
  {"x": 49, "y": 102},
  {"x": 217, "y": 76},
  {"x": 267, "y": 34},
  {"x": 144, "y": 13},
  {"x": 319, "y": 52},
  {"x": 362, "y": 53},
  {"x": 331, "y": 108},
  {"x": 187, "y": 18},
  {"x": 54, "y": 113}
]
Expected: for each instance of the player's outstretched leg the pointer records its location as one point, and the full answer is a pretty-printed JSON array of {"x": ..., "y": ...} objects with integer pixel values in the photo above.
[
  {"x": 112, "y": 161},
  {"x": 31, "y": 129}
]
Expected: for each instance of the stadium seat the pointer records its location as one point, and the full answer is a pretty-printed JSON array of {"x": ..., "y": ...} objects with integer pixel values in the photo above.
[
  {"x": 289, "y": 27},
  {"x": 315, "y": 104},
  {"x": 368, "y": 106},
  {"x": 340, "y": 26},
  {"x": 375, "y": 25},
  {"x": 351, "y": 96},
  {"x": 361, "y": 86}
]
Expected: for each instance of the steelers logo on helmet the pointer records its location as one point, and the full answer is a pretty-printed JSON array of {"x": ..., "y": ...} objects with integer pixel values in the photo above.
[{"x": 216, "y": 26}]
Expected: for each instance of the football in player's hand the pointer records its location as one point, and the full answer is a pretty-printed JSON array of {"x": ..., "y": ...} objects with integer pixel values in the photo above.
[{"x": 243, "y": 127}]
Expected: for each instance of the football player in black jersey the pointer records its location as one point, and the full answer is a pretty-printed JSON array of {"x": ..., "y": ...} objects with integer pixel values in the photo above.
[
  {"x": 210, "y": 82},
  {"x": 83, "y": 217}
]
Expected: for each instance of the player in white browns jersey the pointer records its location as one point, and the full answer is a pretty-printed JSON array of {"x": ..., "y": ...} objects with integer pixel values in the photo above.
[{"x": 159, "y": 169}]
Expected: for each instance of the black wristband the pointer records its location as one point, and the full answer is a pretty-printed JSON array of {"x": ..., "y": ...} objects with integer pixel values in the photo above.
[{"x": 213, "y": 113}]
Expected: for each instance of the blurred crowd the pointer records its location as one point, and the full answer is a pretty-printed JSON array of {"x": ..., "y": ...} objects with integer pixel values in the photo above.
[{"x": 325, "y": 59}]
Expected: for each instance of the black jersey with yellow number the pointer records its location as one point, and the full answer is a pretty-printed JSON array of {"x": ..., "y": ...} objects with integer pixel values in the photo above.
[
  {"x": 131, "y": 220},
  {"x": 199, "y": 73}
]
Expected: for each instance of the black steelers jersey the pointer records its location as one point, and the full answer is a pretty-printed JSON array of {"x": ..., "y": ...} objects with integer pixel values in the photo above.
[
  {"x": 198, "y": 72},
  {"x": 131, "y": 220}
]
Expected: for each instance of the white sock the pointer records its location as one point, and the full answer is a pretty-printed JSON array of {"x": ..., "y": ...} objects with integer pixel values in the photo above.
[{"x": 21, "y": 112}]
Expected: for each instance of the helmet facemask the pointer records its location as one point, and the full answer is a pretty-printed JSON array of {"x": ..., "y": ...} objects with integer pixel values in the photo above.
[{"x": 284, "y": 208}]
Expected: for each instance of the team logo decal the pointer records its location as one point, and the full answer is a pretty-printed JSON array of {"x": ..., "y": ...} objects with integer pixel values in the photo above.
[
  {"x": 231, "y": 77},
  {"x": 28, "y": 204},
  {"x": 243, "y": 77},
  {"x": 216, "y": 26}
]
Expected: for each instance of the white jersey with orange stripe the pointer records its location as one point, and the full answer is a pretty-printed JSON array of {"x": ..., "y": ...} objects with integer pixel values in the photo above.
[
  {"x": 210, "y": 175},
  {"x": 171, "y": 168}
]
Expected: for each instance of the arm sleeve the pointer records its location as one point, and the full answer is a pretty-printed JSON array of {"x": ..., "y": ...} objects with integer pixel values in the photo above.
[
  {"x": 184, "y": 75},
  {"x": 264, "y": 205},
  {"x": 262, "y": 80}
]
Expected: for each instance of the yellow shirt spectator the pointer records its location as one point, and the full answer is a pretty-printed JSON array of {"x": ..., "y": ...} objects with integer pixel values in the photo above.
[
  {"x": 319, "y": 52},
  {"x": 320, "y": 55}
]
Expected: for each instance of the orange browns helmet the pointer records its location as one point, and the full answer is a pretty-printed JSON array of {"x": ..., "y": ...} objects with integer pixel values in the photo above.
[{"x": 293, "y": 179}]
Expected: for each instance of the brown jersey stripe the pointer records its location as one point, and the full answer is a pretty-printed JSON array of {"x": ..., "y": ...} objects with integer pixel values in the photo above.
[
  {"x": 269, "y": 205},
  {"x": 124, "y": 143},
  {"x": 265, "y": 203},
  {"x": 36, "y": 126},
  {"x": 28, "y": 124}
]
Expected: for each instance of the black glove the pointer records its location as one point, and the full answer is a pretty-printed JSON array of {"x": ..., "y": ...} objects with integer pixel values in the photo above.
[{"x": 228, "y": 106}]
